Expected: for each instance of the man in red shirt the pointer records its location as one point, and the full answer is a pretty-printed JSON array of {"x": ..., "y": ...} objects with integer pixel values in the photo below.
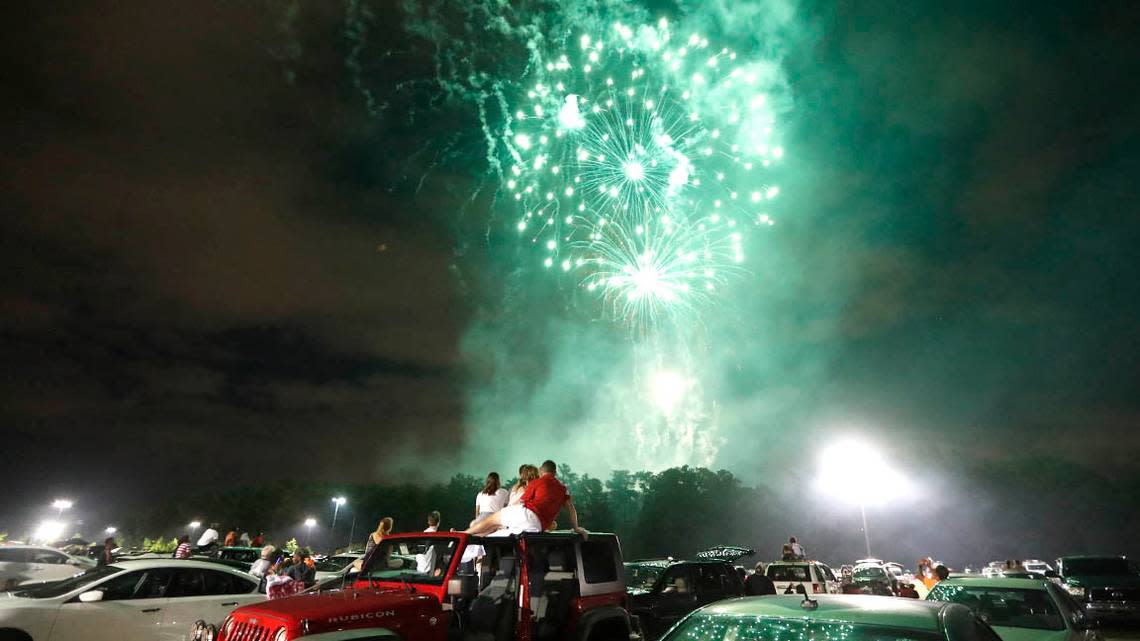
[{"x": 537, "y": 509}]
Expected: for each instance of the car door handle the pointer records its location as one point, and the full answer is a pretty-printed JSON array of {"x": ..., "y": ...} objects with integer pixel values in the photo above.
[
  {"x": 229, "y": 603},
  {"x": 150, "y": 610}
]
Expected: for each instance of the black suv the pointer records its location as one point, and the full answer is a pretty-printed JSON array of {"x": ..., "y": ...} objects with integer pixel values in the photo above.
[{"x": 663, "y": 591}]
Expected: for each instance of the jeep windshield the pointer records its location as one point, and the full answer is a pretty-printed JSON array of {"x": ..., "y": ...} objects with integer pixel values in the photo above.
[
  {"x": 1098, "y": 567},
  {"x": 413, "y": 560},
  {"x": 869, "y": 573},
  {"x": 724, "y": 627}
]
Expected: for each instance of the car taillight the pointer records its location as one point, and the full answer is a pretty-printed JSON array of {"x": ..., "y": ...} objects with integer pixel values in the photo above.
[{"x": 815, "y": 588}]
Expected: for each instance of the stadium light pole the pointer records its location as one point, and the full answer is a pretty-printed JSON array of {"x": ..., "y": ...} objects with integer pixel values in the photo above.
[
  {"x": 61, "y": 505},
  {"x": 337, "y": 502},
  {"x": 309, "y": 523},
  {"x": 875, "y": 483}
]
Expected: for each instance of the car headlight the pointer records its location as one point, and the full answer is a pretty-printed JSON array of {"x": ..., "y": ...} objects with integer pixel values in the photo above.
[
  {"x": 1076, "y": 590},
  {"x": 282, "y": 635}
]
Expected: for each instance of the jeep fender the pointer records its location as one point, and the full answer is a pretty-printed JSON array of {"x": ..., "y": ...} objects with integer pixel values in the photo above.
[
  {"x": 595, "y": 617},
  {"x": 357, "y": 634}
]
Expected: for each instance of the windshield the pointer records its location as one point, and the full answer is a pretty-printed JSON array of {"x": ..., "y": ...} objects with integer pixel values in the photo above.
[
  {"x": 712, "y": 627},
  {"x": 423, "y": 560},
  {"x": 59, "y": 588},
  {"x": 334, "y": 564},
  {"x": 1097, "y": 567},
  {"x": 869, "y": 573},
  {"x": 1009, "y": 607},
  {"x": 797, "y": 573},
  {"x": 642, "y": 577}
]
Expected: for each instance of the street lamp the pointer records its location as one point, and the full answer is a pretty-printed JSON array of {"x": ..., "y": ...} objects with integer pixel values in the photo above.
[
  {"x": 61, "y": 505},
  {"x": 309, "y": 523},
  {"x": 864, "y": 477},
  {"x": 338, "y": 501},
  {"x": 111, "y": 530}
]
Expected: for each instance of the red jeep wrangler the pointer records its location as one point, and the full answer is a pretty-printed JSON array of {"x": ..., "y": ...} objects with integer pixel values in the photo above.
[{"x": 449, "y": 586}]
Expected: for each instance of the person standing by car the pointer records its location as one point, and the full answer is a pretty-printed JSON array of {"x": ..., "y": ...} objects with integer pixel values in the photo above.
[
  {"x": 244, "y": 539},
  {"x": 106, "y": 555},
  {"x": 258, "y": 540},
  {"x": 183, "y": 549},
  {"x": 300, "y": 570},
  {"x": 758, "y": 583},
  {"x": 492, "y": 498},
  {"x": 383, "y": 529},
  {"x": 527, "y": 473},
  {"x": 432, "y": 521},
  {"x": 231, "y": 537},
  {"x": 261, "y": 566}
]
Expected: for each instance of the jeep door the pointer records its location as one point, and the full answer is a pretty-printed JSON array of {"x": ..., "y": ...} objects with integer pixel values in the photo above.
[
  {"x": 131, "y": 608},
  {"x": 198, "y": 593}
]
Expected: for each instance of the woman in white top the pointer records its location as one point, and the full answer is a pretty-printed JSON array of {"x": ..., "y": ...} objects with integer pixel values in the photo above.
[
  {"x": 492, "y": 499},
  {"x": 527, "y": 473}
]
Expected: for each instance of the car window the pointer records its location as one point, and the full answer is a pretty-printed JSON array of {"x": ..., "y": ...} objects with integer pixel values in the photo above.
[
  {"x": 827, "y": 573},
  {"x": 599, "y": 564},
  {"x": 155, "y": 585},
  {"x": 48, "y": 557},
  {"x": 677, "y": 580},
  {"x": 796, "y": 573},
  {"x": 14, "y": 555},
  {"x": 187, "y": 582},
  {"x": 1009, "y": 607},
  {"x": 711, "y": 627},
  {"x": 122, "y": 587},
  {"x": 226, "y": 583},
  {"x": 423, "y": 560},
  {"x": 708, "y": 579}
]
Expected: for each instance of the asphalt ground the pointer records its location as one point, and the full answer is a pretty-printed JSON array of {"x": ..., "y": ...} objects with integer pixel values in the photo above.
[{"x": 1119, "y": 634}]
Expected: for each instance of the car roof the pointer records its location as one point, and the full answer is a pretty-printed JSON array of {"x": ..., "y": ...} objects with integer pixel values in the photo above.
[
  {"x": 797, "y": 562},
  {"x": 997, "y": 582},
  {"x": 1093, "y": 556},
  {"x": 150, "y": 564},
  {"x": 861, "y": 609}
]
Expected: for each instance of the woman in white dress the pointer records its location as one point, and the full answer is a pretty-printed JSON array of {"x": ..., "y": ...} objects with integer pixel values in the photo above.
[{"x": 527, "y": 473}]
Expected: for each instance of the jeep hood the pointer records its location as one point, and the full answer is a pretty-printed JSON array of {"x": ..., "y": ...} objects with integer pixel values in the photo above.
[{"x": 320, "y": 606}]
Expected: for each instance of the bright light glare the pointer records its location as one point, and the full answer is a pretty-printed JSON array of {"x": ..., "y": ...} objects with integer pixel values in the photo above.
[
  {"x": 634, "y": 170},
  {"x": 61, "y": 504},
  {"x": 49, "y": 531},
  {"x": 666, "y": 389},
  {"x": 855, "y": 472},
  {"x": 310, "y": 522},
  {"x": 194, "y": 525},
  {"x": 112, "y": 529},
  {"x": 340, "y": 500}
]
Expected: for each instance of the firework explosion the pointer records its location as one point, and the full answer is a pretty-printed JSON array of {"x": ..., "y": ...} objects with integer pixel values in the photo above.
[{"x": 637, "y": 162}]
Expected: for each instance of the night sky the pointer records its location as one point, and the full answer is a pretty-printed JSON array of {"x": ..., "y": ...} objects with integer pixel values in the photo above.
[{"x": 221, "y": 260}]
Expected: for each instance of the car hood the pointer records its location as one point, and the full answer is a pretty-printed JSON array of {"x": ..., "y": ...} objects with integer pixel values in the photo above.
[
  {"x": 1104, "y": 580},
  {"x": 322, "y": 604},
  {"x": 1029, "y": 634}
]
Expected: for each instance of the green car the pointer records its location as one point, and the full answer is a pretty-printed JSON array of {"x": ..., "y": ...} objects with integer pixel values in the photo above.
[
  {"x": 1021, "y": 609},
  {"x": 1108, "y": 586},
  {"x": 831, "y": 617}
]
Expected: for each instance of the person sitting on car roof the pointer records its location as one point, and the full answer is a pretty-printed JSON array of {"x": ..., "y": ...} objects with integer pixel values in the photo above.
[{"x": 540, "y": 504}]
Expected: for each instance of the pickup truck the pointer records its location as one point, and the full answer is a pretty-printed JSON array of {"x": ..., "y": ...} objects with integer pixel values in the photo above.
[
  {"x": 449, "y": 586},
  {"x": 1108, "y": 586}
]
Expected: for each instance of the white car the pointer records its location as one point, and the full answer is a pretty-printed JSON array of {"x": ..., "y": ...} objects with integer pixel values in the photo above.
[
  {"x": 155, "y": 600},
  {"x": 24, "y": 564},
  {"x": 336, "y": 567},
  {"x": 814, "y": 576},
  {"x": 1021, "y": 609}
]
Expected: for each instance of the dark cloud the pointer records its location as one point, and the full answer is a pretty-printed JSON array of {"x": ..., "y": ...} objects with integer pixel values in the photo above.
[{"x": 233, "y": 229}]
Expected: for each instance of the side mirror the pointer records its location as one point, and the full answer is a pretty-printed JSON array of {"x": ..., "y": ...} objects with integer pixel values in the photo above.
[{"x": 91, "y": 596}]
